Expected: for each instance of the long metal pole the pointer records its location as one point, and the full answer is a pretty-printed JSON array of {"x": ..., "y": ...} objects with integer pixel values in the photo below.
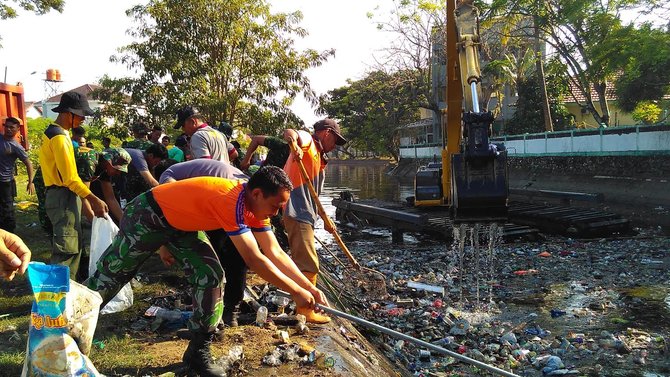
[{"x": 420, "y": 342}]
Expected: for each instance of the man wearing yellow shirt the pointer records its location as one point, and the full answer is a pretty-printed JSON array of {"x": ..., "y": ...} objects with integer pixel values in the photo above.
[{"x": 64, "y": 188}]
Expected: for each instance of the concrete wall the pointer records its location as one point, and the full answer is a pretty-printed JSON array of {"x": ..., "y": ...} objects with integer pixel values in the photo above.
[
  {"x": 636, "y": 140},
  {"x": 653, "y": 167}
]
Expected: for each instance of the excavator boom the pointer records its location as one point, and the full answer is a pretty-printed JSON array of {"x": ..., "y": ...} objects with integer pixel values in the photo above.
[{"x": 473, "y": 173}]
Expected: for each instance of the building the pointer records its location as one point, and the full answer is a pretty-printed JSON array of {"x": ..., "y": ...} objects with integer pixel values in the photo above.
[{"x": 52, "y": 102}]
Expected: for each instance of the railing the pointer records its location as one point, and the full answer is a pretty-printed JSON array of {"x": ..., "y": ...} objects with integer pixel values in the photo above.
[{"x": 630, "y": 140}]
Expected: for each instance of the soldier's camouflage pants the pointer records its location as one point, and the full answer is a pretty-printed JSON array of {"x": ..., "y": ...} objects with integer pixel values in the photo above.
[{"x": 143, "y": 229}]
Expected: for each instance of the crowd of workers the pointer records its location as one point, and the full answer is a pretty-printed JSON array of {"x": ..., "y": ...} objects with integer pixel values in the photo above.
[{"x": 191, "y": 204}]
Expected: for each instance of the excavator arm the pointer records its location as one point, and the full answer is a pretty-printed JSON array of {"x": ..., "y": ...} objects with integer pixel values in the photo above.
[{"x": 473, "y": 174}]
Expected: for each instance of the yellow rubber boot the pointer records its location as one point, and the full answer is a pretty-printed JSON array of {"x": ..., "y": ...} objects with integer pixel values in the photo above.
[{"x": 311, "y": 315}]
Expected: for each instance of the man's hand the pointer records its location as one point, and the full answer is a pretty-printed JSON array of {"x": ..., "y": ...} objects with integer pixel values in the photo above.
[
  {"x": 329, "y": 226},
  {"x": 98, "y": 206},
  {"x": 319, "y": 297},
  {"x": 303, "y": 298},
  {"x": 244, "y": 165},
  {"x": 166, "y": 256},
  {"x": 30, "y": 188},
  {"x": 14, "y": 255}
]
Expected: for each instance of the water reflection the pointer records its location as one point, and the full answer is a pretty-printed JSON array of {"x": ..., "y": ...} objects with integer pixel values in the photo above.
[{"x": 367, "y": 180}]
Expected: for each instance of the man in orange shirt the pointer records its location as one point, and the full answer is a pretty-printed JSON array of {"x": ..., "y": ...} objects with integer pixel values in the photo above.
[
  {"x": 300, "y": 212},
  {"x": 175, "y": 215}
]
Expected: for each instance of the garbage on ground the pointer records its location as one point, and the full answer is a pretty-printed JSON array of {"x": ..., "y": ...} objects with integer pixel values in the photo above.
[
  {"x": 164, "y": 318},
  {"x": 285, "y": 353},
  {"x": 508, "y": 306},
  {"x": 261, "y": 316},
  {"x": 426, "y": 287}
]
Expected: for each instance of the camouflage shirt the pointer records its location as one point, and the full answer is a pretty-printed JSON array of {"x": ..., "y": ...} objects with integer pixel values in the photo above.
[
  {"x": 137, "y": 144},
  {"x": 86, "y": 160}
]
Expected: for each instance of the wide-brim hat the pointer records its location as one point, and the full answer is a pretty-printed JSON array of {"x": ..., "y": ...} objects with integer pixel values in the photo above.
[
  {"x": 118, "y": 157},
  {"x": 75, "y": 103},
  {"x": 332, "y": 125},
  {"x": 183, "y": 114}
]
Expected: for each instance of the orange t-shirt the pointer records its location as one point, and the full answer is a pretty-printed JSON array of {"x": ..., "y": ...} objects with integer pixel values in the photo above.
[{"x": 208, "y": 203}]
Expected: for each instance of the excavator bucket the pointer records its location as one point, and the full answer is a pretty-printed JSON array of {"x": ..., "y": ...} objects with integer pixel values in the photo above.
[{"x": 479, "y": 180}]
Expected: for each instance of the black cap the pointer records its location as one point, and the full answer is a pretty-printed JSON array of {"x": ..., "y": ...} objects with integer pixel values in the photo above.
[
  {"x": 181, "y": 141},
  {"x": 325, "y": 124},
  {"x": 140, "y": 128},
  {"x": 226, "y": 128},
  {"x": 183, "y": 114},
  {"x": 75, "y": 103}
]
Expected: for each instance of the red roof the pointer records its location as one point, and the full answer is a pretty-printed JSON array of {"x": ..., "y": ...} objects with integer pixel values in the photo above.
[
  {"x": 85, "y": 89},
  {"x": 610, "y": 92}
]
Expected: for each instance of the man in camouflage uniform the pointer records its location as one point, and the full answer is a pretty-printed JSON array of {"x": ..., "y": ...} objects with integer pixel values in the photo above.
[
  {"x": 175, "y": 215},
  {"x": 140, "y": 141},
  {"x": 140, "y": 177},
  {"x": 278, "y": 152},
  {"x": 41, "y": 191}
]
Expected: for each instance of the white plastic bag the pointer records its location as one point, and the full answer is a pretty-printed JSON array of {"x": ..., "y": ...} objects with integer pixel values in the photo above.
[{"x": 103, "y": 231}]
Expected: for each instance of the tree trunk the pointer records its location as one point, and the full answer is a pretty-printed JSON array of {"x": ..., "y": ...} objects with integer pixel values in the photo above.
[
  {"x": 539, "y": 63},
  {"x": 600, "y": 88}
]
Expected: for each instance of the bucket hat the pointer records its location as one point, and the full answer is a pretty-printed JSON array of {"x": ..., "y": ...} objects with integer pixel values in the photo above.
[{"x": 75, "y": 103}]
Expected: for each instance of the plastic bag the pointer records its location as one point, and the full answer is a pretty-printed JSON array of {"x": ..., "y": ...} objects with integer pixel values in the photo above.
[
  {"x": 62, "y": 322},
  {"x": 103, "y": 231}
]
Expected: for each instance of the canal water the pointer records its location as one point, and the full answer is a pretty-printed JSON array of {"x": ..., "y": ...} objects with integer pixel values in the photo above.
[{"x": 366, "y": 180}]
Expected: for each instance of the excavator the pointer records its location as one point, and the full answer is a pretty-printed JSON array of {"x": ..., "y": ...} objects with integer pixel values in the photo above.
[{"x": 471, "y": 179}]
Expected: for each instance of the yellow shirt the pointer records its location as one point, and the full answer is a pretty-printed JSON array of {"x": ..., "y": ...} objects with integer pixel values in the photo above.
[{"x": 57, "y": 161}]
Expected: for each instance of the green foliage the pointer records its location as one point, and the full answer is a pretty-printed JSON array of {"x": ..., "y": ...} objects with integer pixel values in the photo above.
[
  {"x": 645, "y": 61},
  {"x": 418, "y": 25},
  {"x": 528, "y": 117},
  {"x": 36, "y": 6},
  {"x": 586, "y": 35},
  {"x": 371, "y": 109},
  {"x": 235, "y": 60},
  {"x": 647, "y": 112},
  {"x": 36, "y": 129}
]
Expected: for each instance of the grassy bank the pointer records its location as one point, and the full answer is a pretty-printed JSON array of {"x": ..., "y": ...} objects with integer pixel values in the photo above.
[{"x": 127, "y": 343}]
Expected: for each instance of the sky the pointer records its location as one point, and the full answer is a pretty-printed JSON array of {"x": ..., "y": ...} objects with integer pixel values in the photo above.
[{"x": 79, "y": 42}]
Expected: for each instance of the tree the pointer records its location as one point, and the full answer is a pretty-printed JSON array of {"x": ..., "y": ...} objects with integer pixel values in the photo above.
[
  {"x": 231, "y": 58},
  {"x": 419, "y": 25},
  {"x": 370, "y": 110},
  {"x": 577, "y": 30},
  {"x": 529, "y": 114},
  {"x": 37, "y": 6},
  {"x": 647, "y": 112},
  {"x": 645, "y": 63}
]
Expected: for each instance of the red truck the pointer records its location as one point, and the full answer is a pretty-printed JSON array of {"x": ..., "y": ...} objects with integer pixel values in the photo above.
[{"x": 12, "y": 105}]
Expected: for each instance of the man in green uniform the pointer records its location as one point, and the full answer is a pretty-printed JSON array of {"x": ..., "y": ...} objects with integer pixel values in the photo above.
[{"x": 140, "y": 141}]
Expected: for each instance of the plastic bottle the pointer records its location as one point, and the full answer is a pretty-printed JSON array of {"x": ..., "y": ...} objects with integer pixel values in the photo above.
[
  {"x": 302, "y": 320},
  {"x": 169, "y": 315},
  {"x": 261, "y": 316},
  {"x": 281, "y": 302}
]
